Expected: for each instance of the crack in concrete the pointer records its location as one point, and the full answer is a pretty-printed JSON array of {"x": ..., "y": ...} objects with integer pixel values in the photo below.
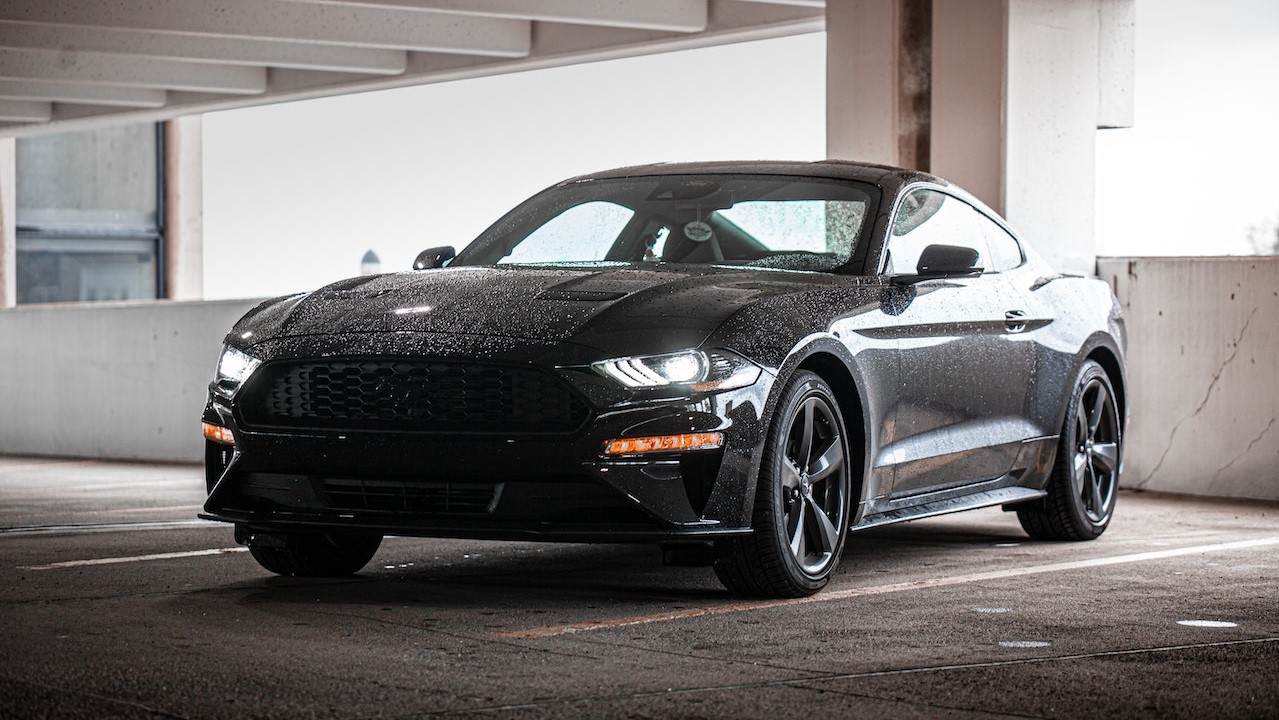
[
  {"x": 922, "y": 704},
  {"x": 457, "y": 636},
  {"x": 1217, "y": 475},
  {"x": 697, "y": 656},
  {"x": 64, "y": 689},
  {"x": 801, "y": 682},
  {"x": 1216, "y": 377}
]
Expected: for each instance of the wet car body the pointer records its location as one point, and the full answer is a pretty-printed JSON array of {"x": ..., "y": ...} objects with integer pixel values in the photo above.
[{"x": 953, "y": 391}]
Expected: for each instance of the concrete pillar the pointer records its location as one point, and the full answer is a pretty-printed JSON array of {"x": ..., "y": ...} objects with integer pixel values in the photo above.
[
  {"x": 1050, "y": 182},
  {"x": 969, "y": 65},
  {"x": 1016, "y": 91},
  {"x": 877, "y": 81},
  {"x": 8, "y": 223},
  {"x": 184, "y": 208}
]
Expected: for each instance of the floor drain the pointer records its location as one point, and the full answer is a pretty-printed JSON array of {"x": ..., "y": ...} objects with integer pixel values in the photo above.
[
  {"x": 992, "y": 611},
  {"x": 1207, "y": 623}
]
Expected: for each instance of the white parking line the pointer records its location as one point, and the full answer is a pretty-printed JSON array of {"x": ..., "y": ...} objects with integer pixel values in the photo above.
[
  {"x": 108, "y": 527},
  {"x": 832, "y": 595},
  {"x": 133, "y": 558}
]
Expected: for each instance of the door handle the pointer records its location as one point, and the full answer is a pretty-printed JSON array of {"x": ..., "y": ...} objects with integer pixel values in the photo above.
[{"x": 1015, "y": 321}]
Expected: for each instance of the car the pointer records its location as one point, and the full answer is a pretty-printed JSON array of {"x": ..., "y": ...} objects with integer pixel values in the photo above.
[{"x": 742, "y": 363}]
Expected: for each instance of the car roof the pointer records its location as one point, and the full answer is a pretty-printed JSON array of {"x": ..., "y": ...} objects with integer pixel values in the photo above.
[{"x": 838, "y": 169}]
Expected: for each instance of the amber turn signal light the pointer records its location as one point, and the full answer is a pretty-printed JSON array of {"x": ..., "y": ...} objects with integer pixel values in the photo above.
[
  {"x": 218, "y": 434},
  {"x": 664, "y": 443}
]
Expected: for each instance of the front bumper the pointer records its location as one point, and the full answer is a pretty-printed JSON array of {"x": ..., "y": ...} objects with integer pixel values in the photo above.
[{"x": 549, "y": 487}]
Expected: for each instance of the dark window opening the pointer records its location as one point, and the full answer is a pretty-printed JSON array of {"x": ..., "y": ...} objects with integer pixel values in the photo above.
[{"x": 90, "y": 215}]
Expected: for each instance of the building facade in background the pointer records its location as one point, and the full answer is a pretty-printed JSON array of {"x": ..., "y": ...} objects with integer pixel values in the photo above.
[{"x": 90, "y": 215}]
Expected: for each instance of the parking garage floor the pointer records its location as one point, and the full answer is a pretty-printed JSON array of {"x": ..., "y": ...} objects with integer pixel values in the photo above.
[{"x": 117, "y": 602}]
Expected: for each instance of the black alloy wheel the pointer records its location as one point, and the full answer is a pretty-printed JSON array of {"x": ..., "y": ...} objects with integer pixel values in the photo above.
[
  {"x": 1085, "y": 481},
  {"x": 802, "y": 499}
]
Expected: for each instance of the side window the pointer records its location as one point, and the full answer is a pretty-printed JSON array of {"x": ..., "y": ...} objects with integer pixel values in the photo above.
[
  {"x": 927, "y": 217},
  {"x": 581, "y": 233},
  {"x": 1005, "y": 253}
]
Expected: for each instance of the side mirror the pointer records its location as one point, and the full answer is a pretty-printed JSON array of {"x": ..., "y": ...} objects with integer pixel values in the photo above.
[
  {"x": 942, "y": 261},
  {"x": 434, "y": 257}
]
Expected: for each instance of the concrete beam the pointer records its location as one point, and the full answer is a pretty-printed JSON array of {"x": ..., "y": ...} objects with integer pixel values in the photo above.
[
  {"x": 220, "y": 50},
  {"x": 102, "y": 68},
  {"x": 555, "y": 45},
  {"x": 669, "y": 15},
  {"x": 276, "y": 20},
  {"x": 25, "y": 111},
  {"x": 81, "y": 93}
]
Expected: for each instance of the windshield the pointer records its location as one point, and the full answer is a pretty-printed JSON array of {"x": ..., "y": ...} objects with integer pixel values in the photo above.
[{"x": 764, "y": 221}]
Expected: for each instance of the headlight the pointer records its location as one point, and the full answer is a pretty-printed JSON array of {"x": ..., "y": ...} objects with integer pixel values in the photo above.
[
  {"x": 697, "y": 370},
  {"x": 234, "y": 367}
]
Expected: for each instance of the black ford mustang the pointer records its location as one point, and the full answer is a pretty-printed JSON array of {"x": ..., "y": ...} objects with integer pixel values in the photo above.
[{"x": 740, "y": 362}]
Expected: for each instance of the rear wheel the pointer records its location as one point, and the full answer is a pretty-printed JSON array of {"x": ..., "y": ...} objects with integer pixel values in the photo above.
[
  {"x": 801, "y": 502},
  {"x": 313, "y": 554},
  {"x": 1085, "y": 479}
]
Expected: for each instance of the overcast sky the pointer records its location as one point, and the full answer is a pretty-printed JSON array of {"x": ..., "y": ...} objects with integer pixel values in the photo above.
[{"x": 296, "y": 193}]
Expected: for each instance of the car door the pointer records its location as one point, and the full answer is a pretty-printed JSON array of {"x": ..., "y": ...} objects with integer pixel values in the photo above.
[{"x": 960, "y": 412}]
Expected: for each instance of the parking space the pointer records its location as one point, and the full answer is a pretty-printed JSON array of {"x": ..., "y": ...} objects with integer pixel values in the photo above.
[{"x": 117, "y": 602}]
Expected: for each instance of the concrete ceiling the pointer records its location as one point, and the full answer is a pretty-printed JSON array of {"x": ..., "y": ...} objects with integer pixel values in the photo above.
[{"x": 66, "y": 64}]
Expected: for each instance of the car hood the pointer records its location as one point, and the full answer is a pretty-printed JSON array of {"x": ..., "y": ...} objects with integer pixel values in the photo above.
[{"x": 616, "y": 310}]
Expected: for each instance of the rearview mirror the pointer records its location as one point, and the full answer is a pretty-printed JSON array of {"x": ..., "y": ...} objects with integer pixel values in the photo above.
[
  {"x": 434, "y": 257},
  {"x": 942, "y": 261}
]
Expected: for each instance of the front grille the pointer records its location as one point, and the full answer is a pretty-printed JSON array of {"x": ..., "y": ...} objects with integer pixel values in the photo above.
[
  {"x": 413, "y": 497},
  {"x": 409, "y": 395}
]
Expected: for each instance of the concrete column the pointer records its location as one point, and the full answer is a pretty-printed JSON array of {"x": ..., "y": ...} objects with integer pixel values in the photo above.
[
  {"x": 969, "y": 66},
  {"x": 184, "y": 208},
  {"x": 1052, "y": 113},
  {"x": 1015, "y": 92},
  {"x": 8, "y": 223},
  {"x": 877, "y": 81}
]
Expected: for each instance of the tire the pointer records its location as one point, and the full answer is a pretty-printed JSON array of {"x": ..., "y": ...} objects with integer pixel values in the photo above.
[
  {"x": 314, "y": 554},
  {"x": 1084, "y": 484},
  {"x": 801, "y": 500}
]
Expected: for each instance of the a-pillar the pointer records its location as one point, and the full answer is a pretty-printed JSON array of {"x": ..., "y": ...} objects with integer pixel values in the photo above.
[
  {"x": 8, "y": 223},
  {"x": 1015, "y": 92},
  {"x": 183, "y": 209}
]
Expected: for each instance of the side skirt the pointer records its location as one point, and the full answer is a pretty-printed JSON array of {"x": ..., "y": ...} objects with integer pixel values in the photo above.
[{"x": 969, "y": 501}]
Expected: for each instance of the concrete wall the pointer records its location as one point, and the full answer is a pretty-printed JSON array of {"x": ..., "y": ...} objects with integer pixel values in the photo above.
[
  {"x": 127, "y": 380},
  {"x": 112, "y": 380},
  {"x": 1203, "y": 373}
]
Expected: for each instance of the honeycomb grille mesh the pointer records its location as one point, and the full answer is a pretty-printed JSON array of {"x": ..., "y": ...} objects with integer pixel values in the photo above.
[{"x": 411, "y": 395}]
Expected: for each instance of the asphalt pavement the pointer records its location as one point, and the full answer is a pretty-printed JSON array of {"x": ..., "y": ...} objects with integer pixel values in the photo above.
[{"x": 117, "y": 602}]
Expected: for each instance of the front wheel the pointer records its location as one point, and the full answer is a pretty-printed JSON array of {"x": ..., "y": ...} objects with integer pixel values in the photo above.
[
  {"x": 1085, "y": 479},
  {"x": 801, "y": 502},
  {"x": 313, "y": 554}
]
